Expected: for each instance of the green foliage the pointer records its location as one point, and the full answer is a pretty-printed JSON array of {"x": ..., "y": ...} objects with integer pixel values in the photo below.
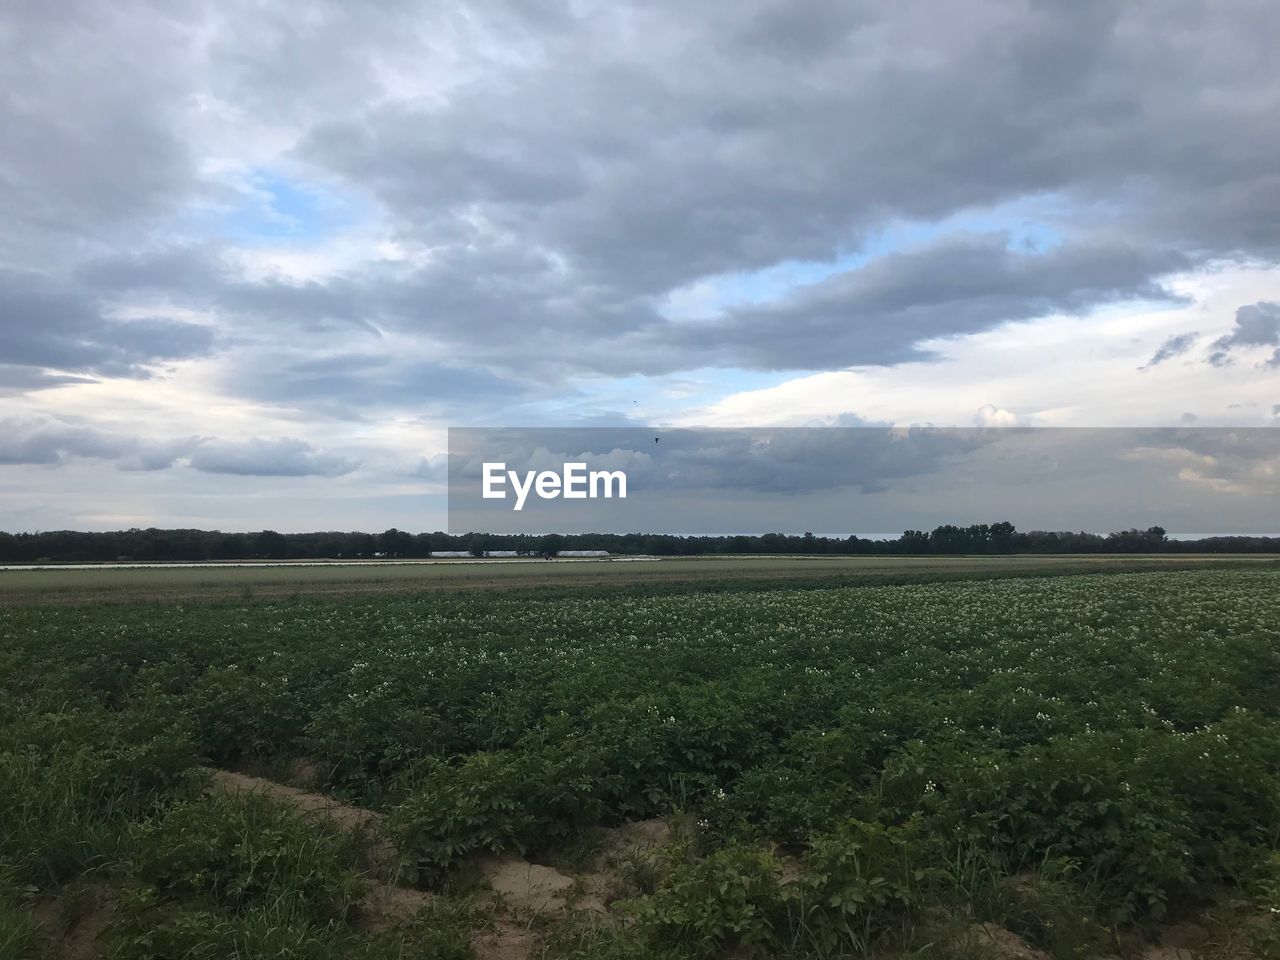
[
  {"x": 244, "y": 853},
  {"x": 376, "y": 734},
  {"x": 860, "y": 881},
  {"x": 243, "y": 713},
  {"x": 442, "y": 930},
  {"x": 1148, "y": 813},
  {"x": 857, "y": 885},
  {"x": 1126, "y": 724},
  {"x": 1048, "y": 909},
  {"x": 1263, "y": 929},
  {"x": 729, "y": 901},
  {"x": 281, "y": 929},
  {"x": 154, "y": 931},
  {"x": 459, "y": 809},
  {"x": 74, "y": 780},
  {"x": 813, "y": 785}
]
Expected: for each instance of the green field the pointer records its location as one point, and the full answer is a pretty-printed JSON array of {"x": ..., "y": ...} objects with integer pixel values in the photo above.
[{"x": 829, "y": 767}]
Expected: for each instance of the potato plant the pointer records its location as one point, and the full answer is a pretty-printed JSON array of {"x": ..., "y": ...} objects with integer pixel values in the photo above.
[{"x": 1127, "y": 725}]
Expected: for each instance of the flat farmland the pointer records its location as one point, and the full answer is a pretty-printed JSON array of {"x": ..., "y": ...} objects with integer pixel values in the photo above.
[
  {"x": 122, "y": 583},
  {"x": 963, "y": 758}
]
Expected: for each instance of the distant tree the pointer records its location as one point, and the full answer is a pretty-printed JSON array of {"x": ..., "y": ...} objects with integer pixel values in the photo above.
[
  {"x": 395, "y": 543},
  {"x": 270, "y": 545},
  {"x": 1002, "y": 534},
  {"x": 1151, "y": 540},
  {"x": 1001, "y": 537},
  {"x": 914, "y": 541}
]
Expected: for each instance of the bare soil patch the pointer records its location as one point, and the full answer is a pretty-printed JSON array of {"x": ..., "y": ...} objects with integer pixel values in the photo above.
[
  {"x": 1005, "y": 944},
  {"x": 75, "y": 921},
  {"x": 520, "y": 887},
  {"x": 524, "y": 886},
  {"x": 506, "y": 941}
]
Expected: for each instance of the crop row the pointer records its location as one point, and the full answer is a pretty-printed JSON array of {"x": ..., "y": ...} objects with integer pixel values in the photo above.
[{"x": 1126, "y": 723}]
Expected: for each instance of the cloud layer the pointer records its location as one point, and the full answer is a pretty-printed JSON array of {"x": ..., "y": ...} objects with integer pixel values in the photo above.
[
  {"x": 51, "y": 442},
  {"x": 245, "y": 220}
]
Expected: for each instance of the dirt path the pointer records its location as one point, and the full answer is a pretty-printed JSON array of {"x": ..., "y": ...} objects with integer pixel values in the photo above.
[
  {"x": 386, "y": 902},
  {"x": 381, "y": 855}
]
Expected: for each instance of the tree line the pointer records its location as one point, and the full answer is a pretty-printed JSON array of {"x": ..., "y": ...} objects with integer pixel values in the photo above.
[{"x": 194, "y": 545}]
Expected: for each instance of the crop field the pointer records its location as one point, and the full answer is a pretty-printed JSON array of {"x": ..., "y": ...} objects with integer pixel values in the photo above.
[
  {"x": 1077, "y": 765},
  {"x": 112, "y": 583}
]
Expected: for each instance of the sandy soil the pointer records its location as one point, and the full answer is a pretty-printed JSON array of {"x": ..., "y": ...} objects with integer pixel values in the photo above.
[{"x": 521, "y": 891}]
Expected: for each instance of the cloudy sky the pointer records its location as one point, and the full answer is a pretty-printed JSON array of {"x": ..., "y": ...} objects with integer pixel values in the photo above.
[{"x": 257, "y": 257}]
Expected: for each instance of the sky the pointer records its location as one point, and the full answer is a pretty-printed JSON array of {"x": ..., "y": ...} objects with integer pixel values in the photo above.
[
  {"x": 256, "y": 258},
  {"x": 863, "y": 479}
]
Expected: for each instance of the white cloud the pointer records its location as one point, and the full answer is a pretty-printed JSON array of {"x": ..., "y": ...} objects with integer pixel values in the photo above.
[{"x": 1054, "y": 372}]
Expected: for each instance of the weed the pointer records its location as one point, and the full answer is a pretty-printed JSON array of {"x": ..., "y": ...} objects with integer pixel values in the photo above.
[{"x": 244, "y": 853}]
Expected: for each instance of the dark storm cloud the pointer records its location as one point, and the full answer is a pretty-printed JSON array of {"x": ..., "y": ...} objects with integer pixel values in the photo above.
[
  {"x": 1257, "y": 325},
  {"x": 1175, "y": 346},
  {"x": 562, "y": 167}
]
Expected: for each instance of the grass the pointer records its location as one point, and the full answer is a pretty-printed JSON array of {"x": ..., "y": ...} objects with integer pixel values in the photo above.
[{"x": 19, "y": 936}]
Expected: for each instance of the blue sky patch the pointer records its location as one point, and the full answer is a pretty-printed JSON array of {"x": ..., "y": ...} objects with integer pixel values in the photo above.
[
  {"x": 1028, "y": 224},
  {"x": 278, "y": 208}
]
